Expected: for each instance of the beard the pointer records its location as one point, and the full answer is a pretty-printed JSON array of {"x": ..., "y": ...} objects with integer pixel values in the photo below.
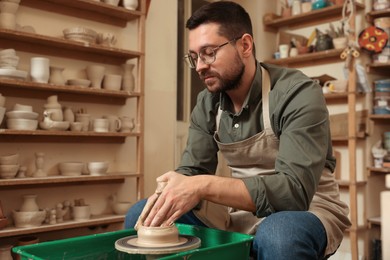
[{"x": 230, "y": 80}]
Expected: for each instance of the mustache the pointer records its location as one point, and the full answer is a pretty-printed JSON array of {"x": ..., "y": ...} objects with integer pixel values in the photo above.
[{"x": 205, "y": 74}]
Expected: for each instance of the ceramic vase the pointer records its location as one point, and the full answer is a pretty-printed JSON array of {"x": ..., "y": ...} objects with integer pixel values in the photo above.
[
  {"x": 40, "y": 69},
  {"x": 39, "y": 162},
  {"x": 54, "y": 108},
  {"x": 29, "y": 203},
  {"x": 130, "y": 4},
  {"x": 95, "y": 73},
  {"x": 128, "y": 80},
  {"x": 68, "y": 114},
  {"x": 56, "y": 76}
]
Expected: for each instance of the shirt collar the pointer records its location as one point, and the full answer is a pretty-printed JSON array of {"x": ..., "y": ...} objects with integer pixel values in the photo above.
[{"x": 254, "y": 94}]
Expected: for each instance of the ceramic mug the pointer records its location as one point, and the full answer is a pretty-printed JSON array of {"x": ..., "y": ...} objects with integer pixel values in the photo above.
[
  {"x": 100, "y": 125},
  {"x": 114, "y": 123}
]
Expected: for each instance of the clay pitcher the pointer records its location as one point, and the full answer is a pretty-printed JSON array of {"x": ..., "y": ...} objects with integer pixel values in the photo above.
[
  {"x": 128, "y": 80},
  {"x": 29, "y": 203}
]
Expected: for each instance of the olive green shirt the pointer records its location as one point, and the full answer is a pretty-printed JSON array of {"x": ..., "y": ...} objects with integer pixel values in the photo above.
[{"x": 300, "y": 120}]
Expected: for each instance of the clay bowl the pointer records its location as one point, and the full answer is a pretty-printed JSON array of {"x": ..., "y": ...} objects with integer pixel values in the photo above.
[
  {"x": 8, "y": 171},
  {"x": 157, "y": 236},
  {"x": 7, "y": 52},
  {"x": 9, "y": 159},
  {"x": 28, "y": 218},
  {"x": 22, "y": 124},
  {"x": 121, "y": 207},
  {"x": 79, "y": 82},
  {"x": 21, "y": 107},
  {"x": 71, "y": 168},
  {"x": 97, "y": 168},
  {"x": 22, "y": 114}
]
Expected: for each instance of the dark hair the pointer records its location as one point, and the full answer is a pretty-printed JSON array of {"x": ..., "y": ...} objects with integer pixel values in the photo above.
[{"x": 234, "y": 21}]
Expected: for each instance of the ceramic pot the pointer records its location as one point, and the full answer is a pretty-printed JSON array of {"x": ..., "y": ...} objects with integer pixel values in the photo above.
[
  {"x": 149, "y": 236},
  {"x": 84, "y": 119},
  {"x": 130, "y": 4},
  {"x": 7, "y": 21},
  {"x": 68, "y": 114},
  {"x": 56, "y": 76},
  {"x": 54, "y": 108},
  {"x": 100, "y": 125},
  {"x": 29, "y": 203},
  {"x": 340, "y": 42},
  {"x": 112, "y": 82},
  {"x": 128, "y": 124},
  {"x": 95, "y": 74},
  {"x": 128, "y": 81},
  {"x": 40, "y": 69}
]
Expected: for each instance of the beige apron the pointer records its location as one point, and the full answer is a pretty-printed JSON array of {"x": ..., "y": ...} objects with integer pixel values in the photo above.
[{"x": 256, "y": 156}]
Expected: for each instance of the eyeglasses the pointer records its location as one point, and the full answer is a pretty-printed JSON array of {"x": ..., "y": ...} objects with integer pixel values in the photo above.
[{"x": 206, "y": 54}]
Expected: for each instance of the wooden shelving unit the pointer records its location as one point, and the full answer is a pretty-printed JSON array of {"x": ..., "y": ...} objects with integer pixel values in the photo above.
[
  {"x": 311, "y": 18},
  {"x": 39, "y": 44},
  {"x": 97, "y": 220}
]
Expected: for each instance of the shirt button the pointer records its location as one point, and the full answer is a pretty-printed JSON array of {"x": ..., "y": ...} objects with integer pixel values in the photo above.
[{"x": 236, "y": 125}]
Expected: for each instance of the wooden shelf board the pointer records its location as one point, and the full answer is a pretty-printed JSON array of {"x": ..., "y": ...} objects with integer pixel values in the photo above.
[
  {"x": 374, "y": 170},
  {"x": 31, "y": 42},
  {"x": 94, "y": 221},
  {"x": 308, "y": 58},
  {"x": 9, "y": 135},
  {"x": 378, "y": 68},
  {"x": 7, "y": 83},
  {"x": 376, "y": 14},
  {"x": 51, "y": 180},
  {"x": 346, "y": 184},
  {"x": 379, "y": 117},
  {"x": 319, "y": 16},
  {"x": 375, "y": 220},
  {"x": 92, "y": 10}
]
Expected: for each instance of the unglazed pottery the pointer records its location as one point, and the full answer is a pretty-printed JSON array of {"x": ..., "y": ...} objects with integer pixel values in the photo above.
[
  {"x": 5, "y": 252},
  {"x": 100, "y": 125},
  {"x": 28, "y": 218},
  {"x": 158, "y": 236},
  {"x": 81, "y": 212},
  {"x": 85, "y": 119},
  {"x": 95, "y": 74},
  {"x": 71, "y": 168},
  {"x": 112, "y": 82},
  {"x": 121, "y": 207},
  {"x": 97, "y": 168},
  {"x": 7, "y": 21},
  {"x": 40, "y": 69},
  {"x": 128, "y": 80},
  {"x": 130, "y": 4},
  {"x": 128, "y": 124},
  {"x": 29, "y": 203},
  {"x": 8, "y": 171},
  {"x": 114, "y": 124},
  {"x": 39, "y": 162},
  {"x": 9, "y": 159},
  {"x": 56, "y": 76}
]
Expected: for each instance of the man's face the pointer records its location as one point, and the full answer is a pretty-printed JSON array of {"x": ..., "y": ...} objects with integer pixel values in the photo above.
[{"x": 226, "y": 71}]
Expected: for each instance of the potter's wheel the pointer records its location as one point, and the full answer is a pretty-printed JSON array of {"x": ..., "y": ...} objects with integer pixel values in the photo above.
[{"x": 130, "y": 245}]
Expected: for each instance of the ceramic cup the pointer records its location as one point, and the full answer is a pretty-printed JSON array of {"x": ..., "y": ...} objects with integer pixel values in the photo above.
[
  {"x": 40, "y": 69},
  {"x": 114, "y": 123},
  {"x": 85, "y": 119},
  {"x": 112, "y": 82},
  {"x": 95, "y": 74},
  {"x": 81, "y": 212},
  {"x": 283, "y": 50},
  {"x": 100, "y": 125}
]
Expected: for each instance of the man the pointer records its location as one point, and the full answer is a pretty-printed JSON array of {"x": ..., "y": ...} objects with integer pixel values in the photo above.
[{"x": 271, "y": 126}]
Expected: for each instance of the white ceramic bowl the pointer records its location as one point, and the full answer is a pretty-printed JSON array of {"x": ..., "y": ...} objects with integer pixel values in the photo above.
[
  {"x": 71, "y": 168},
  {"x": 28, "y": 218},
  {"x": 97, "y": 168},
  {"x": 9, "y": 159},
  {"x": 22, "y": 124},
  {"x": 8, "y": 171},
  {"x": 22, "y": 114},
  {"x": 121, "y": 207},
  {"x": 79, "y": 82}
]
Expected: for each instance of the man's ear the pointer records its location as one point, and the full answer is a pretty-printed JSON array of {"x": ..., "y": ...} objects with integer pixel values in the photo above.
[{"x": 247, "y": 45}]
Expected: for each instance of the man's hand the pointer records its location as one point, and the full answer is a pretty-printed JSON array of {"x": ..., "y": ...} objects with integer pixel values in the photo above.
[{"x": 179, "y": 196}]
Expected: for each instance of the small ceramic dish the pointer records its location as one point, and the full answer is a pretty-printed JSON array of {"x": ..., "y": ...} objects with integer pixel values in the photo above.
[
  {"x": 54, "y": 125},
  {"x": 121, "y": 207},
  {"x": 79, "y": 82}
]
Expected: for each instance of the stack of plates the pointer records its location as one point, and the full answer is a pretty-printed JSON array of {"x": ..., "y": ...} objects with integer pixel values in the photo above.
[
  {"x": 8, "y": 64},
  {"x": 22, "y": 119}
]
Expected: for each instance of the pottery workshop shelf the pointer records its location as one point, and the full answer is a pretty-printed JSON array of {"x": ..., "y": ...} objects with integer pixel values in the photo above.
[
  {"x": 379, "y": 117},
  {"x": 370, "y": 16},
  {"x": 309, "y": 58},
  {"x": 48, "y": 45},
  {"x": 9, "y": 135},
  {"x": 381, "y": 68},
  {"x": 313, "y": 17},
  {"x": 95, "y": 220},
  {"x": 93, "y": 10},
  {"x": 16, "y": 85},
  {"x": 71, "y": 180}
]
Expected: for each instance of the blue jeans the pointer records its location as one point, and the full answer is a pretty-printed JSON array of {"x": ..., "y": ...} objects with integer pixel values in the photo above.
[{"x": 282, "y": 235}]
